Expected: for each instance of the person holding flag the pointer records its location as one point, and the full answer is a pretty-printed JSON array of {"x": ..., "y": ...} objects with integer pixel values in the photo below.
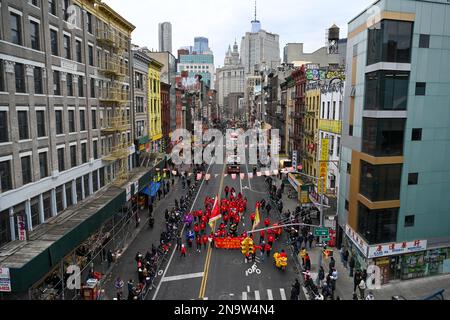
[
  {"x": 215, "y": 213},
  {"x": 257, "y": 216}
]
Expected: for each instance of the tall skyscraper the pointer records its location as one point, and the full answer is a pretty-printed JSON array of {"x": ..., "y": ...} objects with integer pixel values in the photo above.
[
  {"x": 165, "y": 37},
  {"x": 201, "y": 45},
  {"x": 259, "y": 47},
  {"x": 392, "y": 208}
]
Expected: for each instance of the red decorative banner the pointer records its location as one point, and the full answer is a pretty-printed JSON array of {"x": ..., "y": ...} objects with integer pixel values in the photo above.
[{"x": 228, "y": 243}]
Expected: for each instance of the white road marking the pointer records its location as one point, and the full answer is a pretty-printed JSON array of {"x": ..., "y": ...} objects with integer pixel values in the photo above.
[
  {"x": 283, "y": 294},
  {"x": 183, "y": 276},
  {"x": 257, "y": 297},
  {"x": 244, "y": 296},
  {"x": 269, "y": 294},
  {"x": 205, "y": 298},
  {"x": 248, "y": 288},
  {"x": 182, "y": 230}
]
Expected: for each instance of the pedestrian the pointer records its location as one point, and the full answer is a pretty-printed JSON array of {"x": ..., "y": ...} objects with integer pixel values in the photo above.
[
  {"x": 362, "y": 287},
  {"x": 307, "y": 262},
  {"x": 227, "y": 190},
  {"x": 303, "y": 254},
  {"x": 179, "y": 242},
  {"x": 356, "y": 279},
  {"x": 263, "y": 245},
  {"x": 370, "y": 296},
  {"x": 198, "y": 240},
  {"x": 173, "y": 181},
  {"x": 267, "y": 222},
  {"x": 332, "y": 263},
  {"x": 351, "y": 265},
  {"x": 270, "y": 239},
  {"x": 130, "y": 287},
  {"x": 341, "y": 253},
  {"x": 262, "y": 235},
  {"x": 310, "y": 240},
  {"x": 295, "y": 290},
  {"x": 205, "y": 241},
  {"x": 321, "y": 276},
  {"x": 119, "y": 288},
  {"x": 364, "y": 275},
  {"x": 110, "y": 257},
  {"x": 166, "y": 215},
  {"x": 345, "y": 258},
  {"x": 267, "y": 249},
  {"x": 183, "y": 251},
  {"x": 355, "y": 296},
  {"x": 268, "y": 208}
]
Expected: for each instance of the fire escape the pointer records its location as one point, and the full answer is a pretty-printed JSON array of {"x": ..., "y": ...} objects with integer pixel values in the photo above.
[{"x": 116, "y": 97}]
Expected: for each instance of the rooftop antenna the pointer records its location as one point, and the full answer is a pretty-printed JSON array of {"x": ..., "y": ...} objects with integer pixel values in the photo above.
[{"x": 255, "y": 10}]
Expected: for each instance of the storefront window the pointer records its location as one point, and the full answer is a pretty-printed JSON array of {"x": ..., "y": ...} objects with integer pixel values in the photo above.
[
  {"x": 35, "y": 212},
  {"x": 95, "y": 180},
  {"x": 5, "y": 230},
  {"x": 79, "y": 189},
  {"x": 413, "y": 265},
  {"x": 102, "y": 177},
  {"x": 59, "y": 199},
  {"x": 69, "y": 201},
  {"x": 47, "y": 205}
]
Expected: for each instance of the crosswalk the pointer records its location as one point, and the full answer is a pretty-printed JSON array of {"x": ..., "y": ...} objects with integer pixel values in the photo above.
[{"x": 265, "y": 295}]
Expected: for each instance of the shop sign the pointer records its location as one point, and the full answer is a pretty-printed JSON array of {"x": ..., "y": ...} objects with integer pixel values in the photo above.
[
  {"x": 357, "y": 240},
  {"x": 136, "y": 187},
  {"x": 128, "y": 188},
  {"x": 325, "y": 156},
  {"x": 294, "y": 159},
  {"x": 397, "y": 248},
  {"x": 21, "y": 229},
  {"x": 228, "y": 243},
  {"x": 5, "y": 280}
]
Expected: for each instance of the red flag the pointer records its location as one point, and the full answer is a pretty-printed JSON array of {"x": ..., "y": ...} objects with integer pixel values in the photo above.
[{"x": 215, "y": 213}]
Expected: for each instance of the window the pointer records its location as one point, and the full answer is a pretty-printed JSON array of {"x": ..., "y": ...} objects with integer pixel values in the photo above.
[
  {"x": 37, "y": 75},
  {"x": 19, "y": 70},
  {"x": 34, "y": 3},
  {"x": 139, "y": 104},
  {"x": 16, "y": 28},
  {"x": 95, "y": 181},
  {"x": 4, "y": 137},
  {"x": 416, "y": 135},
  {"x": 52, "y": 7},
  {"x": 383, "y": 137},
  {"x": 421, "y": 88},
  {"x": 56, "y": 83},
  {"x": 69, "y": 199},
  {"x": 94, "y": 119},
  {"x": 46, "y": 198},
  {"x": 89, "y": 22},
  {"x": 34, "y": 206},
  {"x": 26, "y": 170},
  {"x": 390, "y": 41},
  {"x": 80, "y": 86},
  {"x": 92, "y": 88},
  {"x": 22, "y": 117},
  {"x": 40, "y": 122},
  {"x": 61, "y": 163},
  {"x": 91, "y": 55},
  {"x": 5, "y": 228},
  {"x": 69, "y": 83},
  {"x": 73, "y": 156},
  {"x": 380, "y": 183},
  {"x": 59, "y": 122},
  {"x": 5, "y": 176},
  {"x": 43, "y": 165},
  {"x": 84, "y": 153},
  {"x": 413, "y": 179},
  {"x": 424, "y": 41},
  {"x": 139, "y": 81},
  {"x": 65, "y": 7},
  {"x": 386, "y": 90},
  {"x": 67, "y": 51},
  {"x": 95, "y": 149},
  {"x": 59, "y": 199},
  {"x": 2, "y": 76},
  {"x": 34, "y": 35},
  {"x": 78, "y": 50},
  {"x": 377, "y": 226},
  {"x": 82, "y": 120},
  {"x": 72, "y": 121},
  {"x": 409, "y": 221},
  {"x": 54, "y": 41}
]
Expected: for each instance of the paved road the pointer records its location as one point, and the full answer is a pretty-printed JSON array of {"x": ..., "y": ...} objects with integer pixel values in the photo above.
[{"x": 220, "y": 274}]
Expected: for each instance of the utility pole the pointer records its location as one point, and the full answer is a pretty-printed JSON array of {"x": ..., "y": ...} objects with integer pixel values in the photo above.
[{"x": 322, "y": 223}]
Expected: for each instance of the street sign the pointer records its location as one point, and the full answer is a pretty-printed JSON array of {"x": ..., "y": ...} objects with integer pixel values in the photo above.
[
  {"x": 321, "y": 232},
  {"x": 326, "y": 239}
]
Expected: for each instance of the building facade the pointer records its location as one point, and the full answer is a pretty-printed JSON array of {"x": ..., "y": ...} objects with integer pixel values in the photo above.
[
  {"x": 198, "y": 64},
  {"x": 141, "y": 64},
  {"x": 165, "y": 37},
  {"x": 394, "y": 175},
  {"x": 201, "y": 45},
  {"x": 165, "y": 115},
  {"x": 154, "y": 106},
  {"x": 230, "y": 78}
]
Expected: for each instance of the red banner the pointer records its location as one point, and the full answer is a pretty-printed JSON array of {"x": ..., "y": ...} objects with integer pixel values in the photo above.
[{"x": 228, "y": 243}]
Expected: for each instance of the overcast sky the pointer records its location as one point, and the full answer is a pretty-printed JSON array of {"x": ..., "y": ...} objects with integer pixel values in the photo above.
[{"x": 223, "y": 21}]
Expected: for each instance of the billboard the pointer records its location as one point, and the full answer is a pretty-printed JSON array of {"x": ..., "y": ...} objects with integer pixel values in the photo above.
[{"x": 186, "y": 82}]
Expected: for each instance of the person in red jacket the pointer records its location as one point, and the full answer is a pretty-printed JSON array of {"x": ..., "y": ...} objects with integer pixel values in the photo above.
[
  {"x": 267, "y": 222},
  {"x": 183, "y": 250},
  {"x": 236, "y": 219},
  {"x": 205, "y": 241},
  {"x": 270, "y": 239},
  {"x": 262, "y": 235},
  {"x": 226, "y": 217},
  {"x": 227, "y": 190},
  {"x": 253, "y": 217},
  {"x": 196, "y": 229},
  {"x": 204, "y": 219},
  {"x": 267, "y": 249},
  {"x": 202, "y": 227},
  {"x": 198, "y": 240}
]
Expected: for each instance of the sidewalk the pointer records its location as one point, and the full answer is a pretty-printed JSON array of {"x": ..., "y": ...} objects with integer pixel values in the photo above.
[{"x": 416, "y": 289}]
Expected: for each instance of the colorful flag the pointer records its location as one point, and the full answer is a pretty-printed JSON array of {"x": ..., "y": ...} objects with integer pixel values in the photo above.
[
  {"x": 257, "y": 217},
  {"x": 215, "y": 213}
]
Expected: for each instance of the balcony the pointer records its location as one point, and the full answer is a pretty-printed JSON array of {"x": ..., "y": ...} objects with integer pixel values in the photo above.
[
  {"x": 332, "y": 126},
  {"x": 119, "y": 123},
  {"x": 106, "y": 38},
  {"x": 114, "y": 95},
  {"x": 113, "y": 67},
  {"x": 121, "y": 151}
]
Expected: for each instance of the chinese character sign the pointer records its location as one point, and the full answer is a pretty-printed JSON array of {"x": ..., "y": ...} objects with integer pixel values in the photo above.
[{"x": 323, "y": 173}]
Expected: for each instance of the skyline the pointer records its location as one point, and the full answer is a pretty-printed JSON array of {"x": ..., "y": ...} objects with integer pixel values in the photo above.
[{"x": 234, "y": 21}]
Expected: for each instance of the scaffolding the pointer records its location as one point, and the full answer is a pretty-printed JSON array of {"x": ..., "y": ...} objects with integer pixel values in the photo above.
[{"x": 115, "y": 96}]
